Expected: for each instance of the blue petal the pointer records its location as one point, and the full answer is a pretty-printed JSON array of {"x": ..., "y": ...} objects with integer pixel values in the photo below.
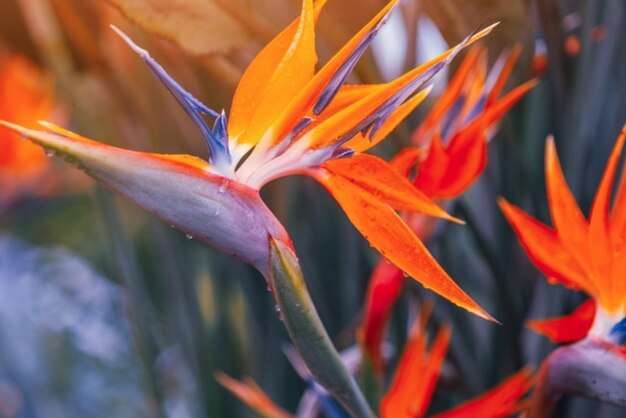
[
  {"x": 619, "y": 332},
  {"x": 346, "y": 68},
  {"x": 451, "y": 116},
  {"x": 217, "y": 143}
]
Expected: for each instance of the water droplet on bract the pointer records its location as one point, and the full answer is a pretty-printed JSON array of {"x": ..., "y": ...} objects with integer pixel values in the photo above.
[
  {"x": 223, "y": 186},
  {"x": 277, "y": 308},
  {"x": 405, "y": 274},
  {"x": 269, "y": 288},
  {"x": 188, "y": 236},
  {"x": 49, "y": 153},
  {"x": 172, "y": 226}
]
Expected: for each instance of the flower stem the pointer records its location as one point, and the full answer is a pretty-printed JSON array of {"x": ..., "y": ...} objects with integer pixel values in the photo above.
[{"x": 308, "y": 333}]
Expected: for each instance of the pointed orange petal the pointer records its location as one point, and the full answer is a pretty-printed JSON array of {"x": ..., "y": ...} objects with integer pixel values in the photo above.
[
  {"x": 618, "y": 213},
  {"x": 361, "y": 143},
  {"x": 432, "y": 169},
  {"x": 382, "y": 292},
  {"x": 405, "y": 160},
  {"x": 386, "y": 232},
  {"x": 450, "y": 171},
  {"x": 305, "y": 98},
  {"x": 335, "y": 127},
  {"x": 599, "y": 233},
  {"x": 416, "y": 376},
  {"x": 507, "y": 68},
  {"x": 567, "y": 328},
  {"x": 380, "y": 179},
  {"x": 499, "y": 402},
  {"x": 277, "y": 73},
  {"x": 569, "y": 222},
  {"x": 544, "y": 248},
  {"x": 449, "y": 97},
  {"x": 252, "y": 395}
]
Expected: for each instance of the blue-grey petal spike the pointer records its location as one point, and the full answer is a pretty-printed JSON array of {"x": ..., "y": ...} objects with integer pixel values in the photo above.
[
  {"x": 219, "y": 152},
  {"x": 346, "y": 68}
]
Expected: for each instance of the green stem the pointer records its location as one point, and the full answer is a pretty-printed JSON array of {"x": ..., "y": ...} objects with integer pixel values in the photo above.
[{"x": 308, "y": 333}]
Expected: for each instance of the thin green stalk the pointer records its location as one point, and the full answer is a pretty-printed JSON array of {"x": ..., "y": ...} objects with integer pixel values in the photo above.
[{"x": 308, "y": 333}]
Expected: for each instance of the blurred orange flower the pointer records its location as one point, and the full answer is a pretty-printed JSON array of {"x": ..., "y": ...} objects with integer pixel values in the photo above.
[
  {"x": 580, "y": 253},
  {"x": 449, "y": 153},
  {"x": 25, "y": 97},
  {"x": 413, "y": 385}
]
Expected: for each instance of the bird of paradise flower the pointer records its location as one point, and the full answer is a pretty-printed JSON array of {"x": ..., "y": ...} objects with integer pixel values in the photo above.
[
  {"x": 448, "y": 154},
  {"x": 585, "y": 254},
  {"x": 588, "y": 255},
  {"x": 285, "y": 119}
]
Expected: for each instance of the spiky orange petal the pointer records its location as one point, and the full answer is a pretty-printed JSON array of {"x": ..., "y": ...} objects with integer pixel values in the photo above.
[
  {"x": 380, "y": 179},
  {"x": 567, "y": 328},
  {"x": 386, "y": 232},
  {"x": 253, "y": 396},
  {"x": 499, "y": 402}
]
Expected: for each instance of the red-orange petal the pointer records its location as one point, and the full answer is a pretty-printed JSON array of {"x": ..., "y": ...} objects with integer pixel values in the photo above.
[
  {"x": 377, "y": 177},
  {"x": 274, "y": 77},
  {"x": 544, "y": 248},
  {"x": 386, "y": 232},
  {"x": 405, "y": 160},
  {"x": 599, "y": 234},
  {"x": 383, "y": 290},
  {"x": 416, "y": 376},
  {"x": 253, "y": 396},
  {"x": 499, "y": 402},
  {"x": 567, "y": 328},
  {"x": 569, "y": 222}
]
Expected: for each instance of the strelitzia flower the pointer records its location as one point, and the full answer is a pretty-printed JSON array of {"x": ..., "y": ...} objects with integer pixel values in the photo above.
[
  {"x": 412, "y": 387},
  {"x": 587, "y": 254},
  {"x": 25, "y": 97},
  {"x": 285, "y": 119},
  {"x": 448, "y": 155}
]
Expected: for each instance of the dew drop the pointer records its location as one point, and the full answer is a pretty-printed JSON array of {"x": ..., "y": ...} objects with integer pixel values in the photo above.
[
  {"x": 188, "y": 236},
  {"x": 49, "y": 153},
  {"x": 223, "y": 186},
  {"x": 277, "y": 308},
  {"x": 269, "y": 288},
  {"x": 405, "y": 274}
]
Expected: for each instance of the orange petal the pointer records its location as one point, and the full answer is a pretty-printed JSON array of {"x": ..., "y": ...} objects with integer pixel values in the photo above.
[
  {"x": 361, "y": 143},
  {"x": 499, "y": 402},
  {"x": 405, "y": 160},
  {"x": 568, "y": 220},
  {"x": 274, "y": 77},
  {"x": 386, "y": 232},
  {"x": 544, "y": 248},
  {"x": 306, "y": 97},
  {"x": 342, "y": 123},
  {"x": 568, "y": 328},
  {"x": 449, "y": 97},
  {"x": 380, "y": 179},
  {"x": 448, "y": 172},
  {"x": 416, "y": 376},
  {"x": 507, "y": 68},
  {"x": 618, "y": 214},
  {"x": 252, "y": 395},
  {"x": 599, "y": 233},
  {"x": 382, "y": 292}
]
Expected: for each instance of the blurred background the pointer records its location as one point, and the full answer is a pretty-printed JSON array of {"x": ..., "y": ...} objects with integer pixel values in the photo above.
[{"x": 106, "y": 311}]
